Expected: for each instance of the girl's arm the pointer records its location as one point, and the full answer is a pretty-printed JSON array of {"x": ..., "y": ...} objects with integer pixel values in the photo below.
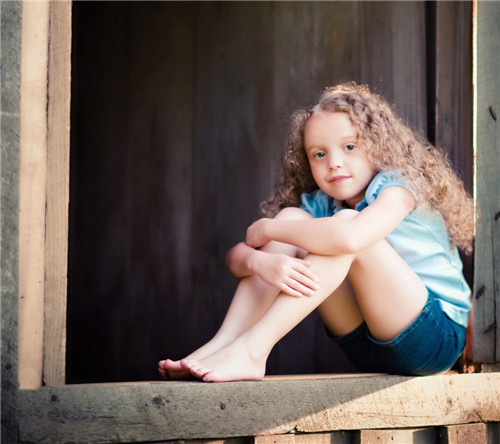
[
  {"x": 338, "y": 235},
  {"x": 288, "y": 274},
  {"x": 240, "y": 260}
]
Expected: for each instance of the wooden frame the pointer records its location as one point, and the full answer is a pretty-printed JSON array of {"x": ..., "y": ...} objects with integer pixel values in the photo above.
[
  {"x": 43, "y": 199},
  {"x": 189, "y": 410},
  {"x": 487, "y": 257},
  {"x": 183, "y": 410}
]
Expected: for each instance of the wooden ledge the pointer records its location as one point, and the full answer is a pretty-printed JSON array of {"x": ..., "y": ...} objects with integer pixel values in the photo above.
[{"x": 152, "y": 411}]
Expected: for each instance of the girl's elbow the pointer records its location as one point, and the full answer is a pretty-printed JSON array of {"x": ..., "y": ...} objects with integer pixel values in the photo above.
[
  {"x": 344, "y": 239},
  {"x": 343, "y": 245}
]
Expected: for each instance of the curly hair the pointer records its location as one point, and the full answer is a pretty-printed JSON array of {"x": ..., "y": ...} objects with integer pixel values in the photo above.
[{"x": 389, "y": 144}]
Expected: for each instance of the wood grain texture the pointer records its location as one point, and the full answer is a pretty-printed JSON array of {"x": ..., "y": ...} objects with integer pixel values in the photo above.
[
  {"x": 179, "y": 117},
  {"x": 33, "y": 177},
  {"x": 164, "y": 411},
  {"x": 487, "y": 257},
  {"x": 453, "y": 89},
  {"x": 10, "y": 58},
  {"x": 57, "y": 193}
]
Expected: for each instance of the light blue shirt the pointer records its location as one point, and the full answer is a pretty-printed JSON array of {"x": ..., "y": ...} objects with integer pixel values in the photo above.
[{"x": 421, "y": 239}]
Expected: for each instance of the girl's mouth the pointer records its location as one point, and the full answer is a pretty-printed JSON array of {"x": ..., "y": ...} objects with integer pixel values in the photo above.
[{"x": 338, "y": 179}]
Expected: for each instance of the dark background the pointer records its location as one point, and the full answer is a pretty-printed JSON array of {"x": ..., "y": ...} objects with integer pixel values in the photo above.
[{"x": 179, "y": 114}]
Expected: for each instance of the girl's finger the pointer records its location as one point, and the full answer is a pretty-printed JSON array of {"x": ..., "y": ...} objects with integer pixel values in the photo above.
[
  {"x": 305, "y": 288},
  {"x": 306, "y": 277},
  {"x": 306, "y": 271},
  {"x": 290, "y": 291}
]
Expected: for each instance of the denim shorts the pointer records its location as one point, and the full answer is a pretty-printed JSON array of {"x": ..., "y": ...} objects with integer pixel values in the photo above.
[{"x": 431, "y": 344}]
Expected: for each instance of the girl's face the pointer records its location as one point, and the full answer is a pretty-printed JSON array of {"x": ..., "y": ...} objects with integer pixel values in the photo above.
[{"x": 338, "y": 164}]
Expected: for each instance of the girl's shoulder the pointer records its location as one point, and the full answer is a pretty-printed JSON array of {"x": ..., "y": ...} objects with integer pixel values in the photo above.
[{"x": 383, "y": 180}]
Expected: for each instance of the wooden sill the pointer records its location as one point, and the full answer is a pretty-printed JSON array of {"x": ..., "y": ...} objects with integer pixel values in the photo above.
[{"x": 149, "y": 411}]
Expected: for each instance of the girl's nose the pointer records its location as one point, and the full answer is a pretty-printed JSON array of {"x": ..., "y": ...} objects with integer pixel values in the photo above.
[{"x": 335, "y": 162}]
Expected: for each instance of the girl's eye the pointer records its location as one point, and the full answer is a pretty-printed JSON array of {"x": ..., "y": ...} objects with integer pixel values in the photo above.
[
  {"x": 349, "y": 147},
  {"x": 319, "y": 155}
]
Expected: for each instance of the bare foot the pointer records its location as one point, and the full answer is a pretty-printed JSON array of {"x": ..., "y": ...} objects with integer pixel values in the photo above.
[
  {"x": 169, "y": 369},
  {"x": 232, "y": 363}
]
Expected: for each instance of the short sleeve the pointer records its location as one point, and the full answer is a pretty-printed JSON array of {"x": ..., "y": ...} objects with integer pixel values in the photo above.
[
  {"x": 317, "y": 204},
  {"x": 383, "y": 180}
]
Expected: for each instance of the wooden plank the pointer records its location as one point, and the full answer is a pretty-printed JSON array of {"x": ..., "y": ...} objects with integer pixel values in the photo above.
[
  {"x": 191, "y": 410},
  {"x": 453, "y": 89},
  {"x": 427, "y": 435},
  {"x": 33, "y": 172},
  {"x": 487, "y": 257},
  {"x": 306, "y": 438},
  {"x": 57, "y": 199},
  {"x": 466, "y": 434},
  {"x": 10, "y": 55},
  {"x": 131, "y": 190},
  {"x": 453, "y": 104},
  {"x": 392, "y": 56}
]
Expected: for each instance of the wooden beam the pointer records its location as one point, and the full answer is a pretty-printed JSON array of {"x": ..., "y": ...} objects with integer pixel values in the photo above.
[
  {"x": 409, "y": 436},
  {"x": 306, "y": 438},
  {"x": 466, "y": 434},
  {"x": 57, "y": 198},
  {"x": 487, "y": 256},
  {"x": 10, "y": 55},
  {"x": 44, "y": 190},
  {"x": 192, "y": 410},
  {"x": 33, "y": 174}
]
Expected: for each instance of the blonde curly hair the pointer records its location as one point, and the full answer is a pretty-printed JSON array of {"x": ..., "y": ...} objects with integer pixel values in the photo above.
[{"x": 389, "y": 145}]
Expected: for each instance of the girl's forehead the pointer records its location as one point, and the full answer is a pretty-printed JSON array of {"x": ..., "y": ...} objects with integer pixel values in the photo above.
[{"x": 331, "y": 121}]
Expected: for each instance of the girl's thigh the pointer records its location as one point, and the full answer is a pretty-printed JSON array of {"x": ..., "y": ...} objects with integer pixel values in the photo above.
[
  {"x": 389, "y": 293},
  {"x": 431, "y": 344}
]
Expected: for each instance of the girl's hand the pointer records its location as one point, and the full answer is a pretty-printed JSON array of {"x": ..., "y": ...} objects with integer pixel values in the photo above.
[
  {"x": 290, "y": 275},
  {"x": 255, "y": 233}
]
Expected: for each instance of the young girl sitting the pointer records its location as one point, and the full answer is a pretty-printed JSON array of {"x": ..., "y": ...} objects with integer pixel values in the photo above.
[{"x": 365, "y": 228}]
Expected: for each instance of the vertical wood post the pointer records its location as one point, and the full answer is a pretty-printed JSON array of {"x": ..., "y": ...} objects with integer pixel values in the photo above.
[
  {"x": 44, "y": 189},
  {"x": 487, "y": 255},
  {"x": 56, "y": 225},
  {"x": 33, "y": 174}
]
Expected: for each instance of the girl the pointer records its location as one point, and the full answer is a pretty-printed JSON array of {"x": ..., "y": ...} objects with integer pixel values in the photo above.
[{"x": 365, "y": 228}]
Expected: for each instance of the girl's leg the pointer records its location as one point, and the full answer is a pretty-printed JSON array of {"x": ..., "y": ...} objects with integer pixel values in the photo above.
[
  {"x": 389, "y": 294},
  {"x": 251, "y": 300},
  {"x": 246, "y": 356}
]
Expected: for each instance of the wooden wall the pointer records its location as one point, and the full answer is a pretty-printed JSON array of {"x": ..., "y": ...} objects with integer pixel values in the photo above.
[{"x": 179, "y": 112}]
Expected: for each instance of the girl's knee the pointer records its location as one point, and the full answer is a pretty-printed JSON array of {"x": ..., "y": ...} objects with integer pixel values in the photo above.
[
  {"x": 291, "y": 213},
  {"x": 346, "y": 214}
]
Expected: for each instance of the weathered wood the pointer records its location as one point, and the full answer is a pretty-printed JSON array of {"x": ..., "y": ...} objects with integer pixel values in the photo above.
[
  {"x": 404, "y": 436},
  {"x": 239, "y": 440},
  {"x": 57, "y": 198},
  {"x": 453, "y": 89},
  {"x": 178, "y": 124},
  {"x": 390, "y": 33},
  {"x": 487, "y": 257},
  {"x": 10, "y": 54},
  {"x": 452, "y": 107},
  {"x": 33, "y": 173},
  {"x": 309, "y": 438},
  {"x": 465, "y": 434},
  {"x": 176, "y": 410}
]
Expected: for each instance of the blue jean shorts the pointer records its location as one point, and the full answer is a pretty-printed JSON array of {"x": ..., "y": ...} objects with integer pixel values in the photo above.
[{"x": 431, "y": 344}]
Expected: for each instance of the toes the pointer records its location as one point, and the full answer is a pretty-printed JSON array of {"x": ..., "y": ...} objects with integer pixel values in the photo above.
[
  {"x": 172, "y": 365},
  {"x": 184, "y": 363},
  {"x": 195, "y": 368}
]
